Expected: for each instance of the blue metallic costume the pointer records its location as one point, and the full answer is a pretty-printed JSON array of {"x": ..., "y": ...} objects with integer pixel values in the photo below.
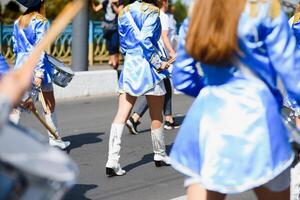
[
  {"x": 139, "y": 36},
  {"x": 24, "y": 41},
  {"x": 296, "y": 28},
  {"x": 3, "y": 65},
  {"x": 233, "y": 138}
]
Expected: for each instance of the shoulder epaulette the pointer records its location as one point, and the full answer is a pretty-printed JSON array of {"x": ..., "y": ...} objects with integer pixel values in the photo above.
[
  {"x": 296, "y": 17},
  {"x": 275, "y": 8},
  {"x": 146, "y": 7},
  {"x": 125, "y": 9},
  {"x": 254, "y": 8},
  {"x": 40, "y": 17}
]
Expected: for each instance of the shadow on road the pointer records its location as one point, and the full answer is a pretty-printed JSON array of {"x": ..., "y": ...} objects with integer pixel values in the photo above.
[
  {"x": 78, "y": 192},
  {"x": 145, "y": 159},
  {"x": 82, "y": 139}
]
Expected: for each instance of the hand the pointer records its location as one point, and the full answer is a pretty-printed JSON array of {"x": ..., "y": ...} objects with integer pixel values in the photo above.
[
  {"x": 164, "y": 66},
  {"x": 38, "y": 82},
  {"x": 28, "y": 104}
]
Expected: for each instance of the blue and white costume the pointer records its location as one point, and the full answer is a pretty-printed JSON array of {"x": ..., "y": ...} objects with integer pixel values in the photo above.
[
  {"x": 3, "y": 65},
  {"x": 295, "y": 25},
  {"x": 233, "y": 138},
  {"x": 139, "y": 36},
  {"x": 24, "y": 41}
]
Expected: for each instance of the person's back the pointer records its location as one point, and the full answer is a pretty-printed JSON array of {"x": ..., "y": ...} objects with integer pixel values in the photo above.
[
  {"x": 236, "y": 138},
  {"x": 28, "y": 31},
  {"x": 140, "y": 30},
  {"x": 129, "y": 37}
]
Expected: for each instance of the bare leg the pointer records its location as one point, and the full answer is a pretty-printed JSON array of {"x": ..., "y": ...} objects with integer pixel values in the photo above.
[
  {"x": 155, "y": 108},
  {"x": 48, "y": 101},
  {"x": 197, "y": 192},
  {"x": 126, "y": 103},
  {"x": 263, "y": 193}
]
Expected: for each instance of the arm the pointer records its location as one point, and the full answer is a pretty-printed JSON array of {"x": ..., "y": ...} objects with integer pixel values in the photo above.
[
  {"x": 116, "y": 8},
  {"x": 41, "y": 28},
  {"x": 97, "y": 8},
  {"x": 151, "y": 25},
  {"x": 284, "y": 55},
  {"x": 167, "y": 43},
  {"x": 185, "y": 75}
]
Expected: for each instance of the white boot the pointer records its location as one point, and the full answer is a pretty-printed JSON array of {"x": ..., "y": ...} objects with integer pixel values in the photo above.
[
  {"x": 159, "y": 148},
  {"x": 113, "y": 167},
  {"x": 52, "y": 122},
  {"x": 15, "y": 116}
]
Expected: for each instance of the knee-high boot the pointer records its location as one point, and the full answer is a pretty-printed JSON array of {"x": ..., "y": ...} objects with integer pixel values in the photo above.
[
  {"x": 113, "y": 167},
  {"x": 15, "y": 116},
  {"x": 159, "y": 148},
  {"x": 51, "y": 120}
]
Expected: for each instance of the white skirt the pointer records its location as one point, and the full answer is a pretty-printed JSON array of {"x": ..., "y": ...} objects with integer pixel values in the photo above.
[{"x": 158, "y": 90}]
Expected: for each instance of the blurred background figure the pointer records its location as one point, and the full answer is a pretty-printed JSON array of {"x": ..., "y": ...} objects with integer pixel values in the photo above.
[
  {"x": 167, "y": 52},
  {"x": 110, "y": 24},
  {"x": 29, "y": 29},
  {"x": 233, "y": 138}
]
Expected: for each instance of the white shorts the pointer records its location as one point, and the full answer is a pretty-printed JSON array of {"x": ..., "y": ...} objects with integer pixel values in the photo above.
[{"x": 158, "y": 90}]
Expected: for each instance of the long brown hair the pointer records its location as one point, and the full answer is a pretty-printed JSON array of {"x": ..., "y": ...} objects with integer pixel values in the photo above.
[
  {"x": 27, "y": 16},
  {"x": 212, "y": 35}
]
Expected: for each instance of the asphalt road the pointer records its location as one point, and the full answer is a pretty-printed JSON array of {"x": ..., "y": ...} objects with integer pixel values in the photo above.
[{"x": 86, "y": 124}]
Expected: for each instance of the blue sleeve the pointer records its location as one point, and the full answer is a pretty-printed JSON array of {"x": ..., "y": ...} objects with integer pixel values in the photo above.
[
  {"x": 150, "y": 27},
  {"x": 283, "y": 53},
  {"x": 14, "y": 35},
  {"x": 3, "y": 65},
  {"x": 41, "y": 28},
  {"x": 185, "y": 75}
]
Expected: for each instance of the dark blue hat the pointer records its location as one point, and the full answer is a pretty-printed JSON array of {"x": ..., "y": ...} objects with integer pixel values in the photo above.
[{"x": 30, "y": 3}]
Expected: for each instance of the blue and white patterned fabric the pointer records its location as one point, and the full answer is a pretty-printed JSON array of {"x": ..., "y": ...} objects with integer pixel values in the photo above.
[
  {"x": 3, "y": 65},
  {"x": 24, "y": 41},
  {"x": 296, "y": 29},
  {"x": 233, "y": 138},
  {"x": 139, "y": 35}
]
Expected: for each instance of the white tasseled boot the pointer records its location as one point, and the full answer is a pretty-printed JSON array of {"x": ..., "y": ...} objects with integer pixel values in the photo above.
[
  {"x": 113, "y": 167},
  {"x": 15, "y": 116},
  {"x": 159, "y": 148},
  {"x": 52, "y": 122}
]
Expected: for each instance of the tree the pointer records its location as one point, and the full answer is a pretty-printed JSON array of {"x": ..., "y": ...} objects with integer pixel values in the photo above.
[
  {"x": 54, "y": 7},
  {"x": 11, "y": 12},
  {"x": 180, "y": 12}
]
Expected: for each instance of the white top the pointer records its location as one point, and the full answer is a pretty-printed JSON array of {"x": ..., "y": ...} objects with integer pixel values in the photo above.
[{"x": 164, "y": 20}]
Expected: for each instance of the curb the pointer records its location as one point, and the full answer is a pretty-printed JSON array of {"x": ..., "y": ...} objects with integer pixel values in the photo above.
[{"x": 89, "y": 83}]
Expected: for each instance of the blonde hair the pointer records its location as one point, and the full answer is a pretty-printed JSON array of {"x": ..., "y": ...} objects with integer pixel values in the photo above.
[{"x": 212, "y": 35}]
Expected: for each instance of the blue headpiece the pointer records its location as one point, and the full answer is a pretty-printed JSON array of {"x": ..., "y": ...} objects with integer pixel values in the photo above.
[{"x": 30, "y": 3}]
